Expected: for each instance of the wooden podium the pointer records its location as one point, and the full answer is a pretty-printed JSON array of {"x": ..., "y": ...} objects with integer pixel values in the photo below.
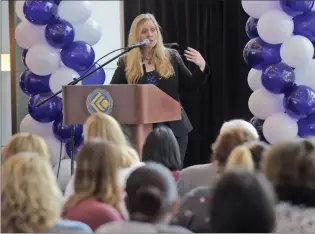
[{"x": 138, "y": 106}]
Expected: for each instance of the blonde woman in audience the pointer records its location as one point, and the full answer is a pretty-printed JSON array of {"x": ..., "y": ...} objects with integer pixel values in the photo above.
[
  {"x": 290, "y": 167},
  {"x": 25, "y": 142},
  {"x": 105, "y": 127},
  {"x": 151, "y": 201},
  {"x": 196, "y": 201},
  {"x": 97, "y": 195},
  {"x": 232, "y": 134},
  {"x": 247, "y": 156},
  {"x": 31, "y": 201}
]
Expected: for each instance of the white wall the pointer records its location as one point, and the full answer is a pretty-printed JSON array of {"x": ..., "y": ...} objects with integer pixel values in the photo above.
[
  {"x": 109, "y": 14},
  {"x": 5, "y": 95}
]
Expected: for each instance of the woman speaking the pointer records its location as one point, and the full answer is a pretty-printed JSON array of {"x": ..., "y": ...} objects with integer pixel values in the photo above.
[{"x": 163, "y": 67}]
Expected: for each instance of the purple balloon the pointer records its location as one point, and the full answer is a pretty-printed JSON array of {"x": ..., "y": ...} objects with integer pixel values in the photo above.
[
  {"x": 304, "y": 25},
  {"x": 78, "y": 56},
  {"x": 63, "y": 132},
  {"x": 32, "y": 84},
  {"x": 278, "y": 78},
  {"x": 97, "y": 77},
  {"x": 78, "y": 143},
  {"x": 251, "y": 27},
  {"x": 307, "y": 126},
  {"x": 59, "y": 33},
  {"x": 40, "y": 12},
  {"x": 300, "y": 102},
  {"x": 23, "y": 56},
  {"x": 296, "y": 7},
  {"x": 57, "y": 1},
  {"x": 259, "y": 54},
  {"x": 47, "y": 112}
]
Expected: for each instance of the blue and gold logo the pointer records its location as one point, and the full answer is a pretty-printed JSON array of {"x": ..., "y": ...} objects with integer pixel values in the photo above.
[{"x": 99, "y": 100}]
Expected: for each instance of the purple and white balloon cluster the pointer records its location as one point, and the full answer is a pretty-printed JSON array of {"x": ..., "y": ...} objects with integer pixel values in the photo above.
[
  {"x": 57, "y": 38},
  {"x": 280, "y": 54}
]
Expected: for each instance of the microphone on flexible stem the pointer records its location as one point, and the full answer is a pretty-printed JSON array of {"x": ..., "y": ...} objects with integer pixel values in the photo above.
[{"x": 139, "y": 44}]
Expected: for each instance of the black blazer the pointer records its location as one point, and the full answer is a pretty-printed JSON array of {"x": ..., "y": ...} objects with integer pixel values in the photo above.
[{"x": 181, "y": 80}]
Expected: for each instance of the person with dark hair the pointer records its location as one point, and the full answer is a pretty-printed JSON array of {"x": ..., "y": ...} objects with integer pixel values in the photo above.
[
  {"x": 151, "y": 200},
  {"x": 242, "y": 202},
  {"x": 161, "y": 146}
]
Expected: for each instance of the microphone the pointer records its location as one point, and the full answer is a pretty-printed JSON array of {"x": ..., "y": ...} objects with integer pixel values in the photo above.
[{"x": 139, "y": 44}]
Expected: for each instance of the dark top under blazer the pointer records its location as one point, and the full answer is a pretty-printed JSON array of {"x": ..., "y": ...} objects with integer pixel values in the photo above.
[{"x": 181, "y": 80}]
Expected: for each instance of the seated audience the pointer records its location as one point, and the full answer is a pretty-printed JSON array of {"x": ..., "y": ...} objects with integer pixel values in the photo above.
[
  {"x": 204, "y": 175},
  {"x": 151, "y": 202},
  {"x": 242, "y": 202},
  {"x": 193, "y": 213},
  {"x": 161, "y": 147},
  {"x": 97, "y": 195},
  {"x": 105, "y": 127},
  {"x": 290, "y": 167},
  {"x": 25, "y": 142},
  {"x": 31, "y": 201}
]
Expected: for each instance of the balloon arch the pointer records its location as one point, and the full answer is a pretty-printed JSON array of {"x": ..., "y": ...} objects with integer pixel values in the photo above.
[
  {"x": 57, "y": 39},
  {"x": 280, "y": 54}
]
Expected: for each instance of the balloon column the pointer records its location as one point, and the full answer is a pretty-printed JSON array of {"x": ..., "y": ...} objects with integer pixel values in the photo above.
[
  {"x": 57, "y": 38},
  {"x": 280, "y": 54}
]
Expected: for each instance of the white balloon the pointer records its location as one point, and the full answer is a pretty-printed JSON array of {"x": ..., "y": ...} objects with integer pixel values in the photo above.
[
  {"x": 254, "y": 79},
  {"x": 90, "y": 32},
  {"x": 257, "y": 8},
  {"x": 54, "y": 147},
  {"x": 263, "y": 104},
  {"x": 28, "y": 124},
  {"x": 28, "y": 35},
  {"x": 297, "y": 51},
  {"x": 280, "y": 127},
  {"x": 42, "y": 59},
  {"x": 305, "y": 75},
  {"x": 275, "y": 26},
  {"x": 75, "y": 12},
  {"x": 64, "y": 173},
  {"x": 19, "y": 9},
  {"x": 62, "y": 76}
]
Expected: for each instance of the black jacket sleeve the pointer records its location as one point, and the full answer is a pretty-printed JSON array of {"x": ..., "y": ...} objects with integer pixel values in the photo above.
[
  {"x": 119, "y": 76},
  {"x": 188, "y": 79}
]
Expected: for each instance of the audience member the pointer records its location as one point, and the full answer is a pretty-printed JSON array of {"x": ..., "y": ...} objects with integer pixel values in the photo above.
[
  {"x": 151, "y": 202},
  {"x": 97, "y": 195},
  {"x": 25, "y": 142},
  {"x": 31, "y": 200},
  {"x": 290, "y": 167},
  {"x": 242, "y": 202},
  {"x": 204, "y": 175},
  {"x": 161, "y": 147}
]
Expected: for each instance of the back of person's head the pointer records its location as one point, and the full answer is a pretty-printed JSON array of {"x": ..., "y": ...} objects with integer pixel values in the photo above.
[
  {"x": 104, "y": 126},
  {"x": 242, "y": 202},
  {"x": 151, "y": 194},
  {"x": 25, "y": 142},
  {"x": 290, "y": 167},
  {"x": 161, "y": 146},
  {"x": 227, "y": 141},
  {"x": 247, "y": 156},
  {"x": 31, "y": 200},
  {"x": 239, "y": 123},
  {"x": 96, "y": 174}
]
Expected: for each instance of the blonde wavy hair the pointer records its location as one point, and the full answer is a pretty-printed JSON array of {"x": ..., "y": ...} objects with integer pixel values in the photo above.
[
  {"x": 31, "y": 200},
  {"x": 129, "y": 157},
  {"x": 104, "y": 126},
  {"x": 96, "y": 174},
  {"x": 25, "y": 142},
  {"x": 161, "y": 56}
]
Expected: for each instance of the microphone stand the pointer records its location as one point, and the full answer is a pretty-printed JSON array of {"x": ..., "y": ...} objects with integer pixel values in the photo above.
[{"x": 74, "y": 82}]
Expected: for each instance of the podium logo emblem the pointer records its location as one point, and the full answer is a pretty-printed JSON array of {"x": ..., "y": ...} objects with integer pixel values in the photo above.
[{"x": 99, "y": 101}]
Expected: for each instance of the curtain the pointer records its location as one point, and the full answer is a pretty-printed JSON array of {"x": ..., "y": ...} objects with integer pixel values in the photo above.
[{"x": 216, "y": 28}]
